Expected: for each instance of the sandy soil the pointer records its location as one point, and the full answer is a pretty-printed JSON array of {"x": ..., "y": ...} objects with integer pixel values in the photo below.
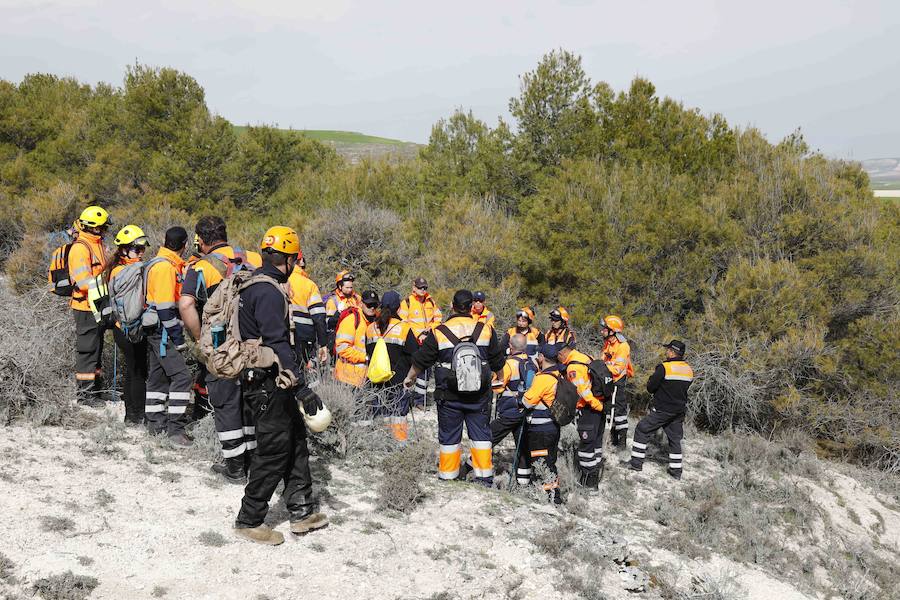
[{"x": 148, "y": 521}]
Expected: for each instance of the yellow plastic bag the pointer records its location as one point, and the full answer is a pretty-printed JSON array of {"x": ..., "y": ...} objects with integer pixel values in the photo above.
[{"x": 380, "y": 364}]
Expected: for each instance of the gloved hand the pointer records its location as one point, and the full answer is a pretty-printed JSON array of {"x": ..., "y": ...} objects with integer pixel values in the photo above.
[{"x": 309, "y": 400}]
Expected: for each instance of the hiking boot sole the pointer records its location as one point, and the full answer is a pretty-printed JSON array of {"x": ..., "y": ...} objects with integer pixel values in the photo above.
[
  {"x": 317, "y": 521},
  {"x": 275, "y": 539}
]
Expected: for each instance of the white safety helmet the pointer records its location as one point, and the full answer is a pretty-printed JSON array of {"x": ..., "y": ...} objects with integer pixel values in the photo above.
[{"x": 320, "y": 421}]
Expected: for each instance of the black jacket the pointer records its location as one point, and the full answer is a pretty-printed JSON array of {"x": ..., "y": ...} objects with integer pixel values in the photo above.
[
  {"x": 261, "y": 315},
  {"x": 669, "y": 385}
]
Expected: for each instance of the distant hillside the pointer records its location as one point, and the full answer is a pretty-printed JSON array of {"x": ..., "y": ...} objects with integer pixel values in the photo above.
[
  {"x": 353, "y": 145},
  {"x": 883, "y": 172}
]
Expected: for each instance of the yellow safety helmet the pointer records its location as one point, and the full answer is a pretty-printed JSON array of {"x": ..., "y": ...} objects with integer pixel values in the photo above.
[
  {"x": 281, "y": 239},
  {"x": 94, "y": 216},
  {"x": 613, "y": 323},
  {"x": 131, "y": 235}
]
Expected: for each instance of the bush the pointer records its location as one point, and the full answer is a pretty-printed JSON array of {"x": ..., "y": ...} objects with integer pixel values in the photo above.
[
  {"x": 36, "y": 385},
  {"x": 402, "y": 470},
  {"x": 65, "y": 586}
]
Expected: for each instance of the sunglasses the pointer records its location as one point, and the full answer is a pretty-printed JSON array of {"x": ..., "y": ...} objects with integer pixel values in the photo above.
[
  {"x": 422, "y": 287},
  {"x": 371, "y": 304}
]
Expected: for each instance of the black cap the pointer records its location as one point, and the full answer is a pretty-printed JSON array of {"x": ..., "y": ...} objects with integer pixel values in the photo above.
[
  {"x": 370, "y": 297},
  {"x": 421, "y": 282},
  {"x": 478, "y": 296},
  {"x": 550, "y": 351},
  {"x": 676, "y": 345},
  {"x": 462, "y": 299}
]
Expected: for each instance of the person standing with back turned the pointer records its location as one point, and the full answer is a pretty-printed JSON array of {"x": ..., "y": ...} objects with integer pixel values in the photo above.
[
  {"x": 455, "y": 407},
  {"x": 282, "y": 453}
]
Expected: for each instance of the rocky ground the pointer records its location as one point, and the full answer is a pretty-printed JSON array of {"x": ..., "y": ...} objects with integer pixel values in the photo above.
[{"x": 107, "y": 512}]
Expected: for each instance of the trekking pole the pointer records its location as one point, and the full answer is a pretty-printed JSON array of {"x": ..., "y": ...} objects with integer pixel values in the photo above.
[{"x": 513, "y": 476}]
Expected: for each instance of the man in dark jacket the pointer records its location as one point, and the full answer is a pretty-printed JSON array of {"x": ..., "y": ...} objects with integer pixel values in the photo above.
[
  {"x": 669, "y": 385},
  {"x": 457, "y": 407},
  {"x": 273, "y": 395}
]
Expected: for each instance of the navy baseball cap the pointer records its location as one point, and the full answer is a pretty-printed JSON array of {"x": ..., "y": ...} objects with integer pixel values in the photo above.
[
  {"x": 550, "y": 351},
  {"x": 478, "y": 296}
]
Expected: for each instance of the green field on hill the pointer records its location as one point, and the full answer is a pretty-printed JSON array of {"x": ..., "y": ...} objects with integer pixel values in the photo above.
[{"x": 343, "y": 137}]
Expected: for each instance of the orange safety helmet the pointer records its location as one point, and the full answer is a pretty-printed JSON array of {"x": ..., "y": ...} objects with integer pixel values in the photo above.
[
  {"x": 526, "y": 312},
  {"x": 613, "y": 323},
  {"x": 561, "y": 312},
  {"x": 342, "y": 277},
  {"x": 281, "y": 239}
]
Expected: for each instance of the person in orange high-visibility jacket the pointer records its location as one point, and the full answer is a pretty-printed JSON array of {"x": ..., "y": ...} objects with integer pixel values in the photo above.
[
  {"x": 423, "y": 314},
  {"x": 392, "y": 401},
  {"x": 617, "y": 356},
  {"x": 590, "y": 416},
  {"x": 350, "y": 341},
  {"x": 87, "y": 259},
  {"x": 480, "y": 312},
  {"x": 233, "y": 420},
  {"x": 307, "y": 315},
  {"x": 559, "y": 332},
  {"x": 168, "y": 377},
  {"x": 131, "y": 245},
  {"x": 541, "y": 431},
  {"x": 340, "y": 299},
  {"x": 534, "y": 339}
]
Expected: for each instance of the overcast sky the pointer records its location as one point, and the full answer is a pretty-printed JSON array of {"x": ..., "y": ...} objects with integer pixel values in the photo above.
[{"x": 394, "y": 68}]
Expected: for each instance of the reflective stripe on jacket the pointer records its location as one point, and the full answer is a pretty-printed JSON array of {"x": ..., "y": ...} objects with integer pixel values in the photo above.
[
  {"x": 617, "y": 356},
  {"x": 307, "y": 309},
  {"x": 350, "y": 347},
  {"x": 164, "y": 290},
  {"x": 87, "y": 258},
  {"x": 421, "y": 315}
]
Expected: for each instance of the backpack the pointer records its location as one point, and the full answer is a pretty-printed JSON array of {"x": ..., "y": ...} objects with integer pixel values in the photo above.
[
  {"x": 601, "y": 379},
  {"x": 225, "y": 266},
  {"x": 226, "y": 353},
  {"x": 563, "y": 408},
  {"x": 350, "y": 310},
  {"x": 468, "y": 372},
  {"x": 128, "y": 297},
  {"x": 379, "y": 370},
  {"x": 527, "y": 371},
  {"x": 58, "y": 270}
]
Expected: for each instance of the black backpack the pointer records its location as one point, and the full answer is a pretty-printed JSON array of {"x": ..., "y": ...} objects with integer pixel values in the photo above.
[
  {"x": 601, "y": 379},
  {"x": 563, "y": 409}
]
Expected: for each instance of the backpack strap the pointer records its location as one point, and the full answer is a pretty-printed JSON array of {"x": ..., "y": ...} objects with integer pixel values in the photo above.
[
  {"x": 222, "y": 259},
  {"x": 261, "y": 278}
]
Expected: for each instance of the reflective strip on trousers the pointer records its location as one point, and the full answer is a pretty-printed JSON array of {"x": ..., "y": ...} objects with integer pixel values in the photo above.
[
  {"x": 176, "y": 409},
  {"x": 234, "y": 451},
  {"x": 154, "y": 408},
  {"x": 233, "y": 434}
]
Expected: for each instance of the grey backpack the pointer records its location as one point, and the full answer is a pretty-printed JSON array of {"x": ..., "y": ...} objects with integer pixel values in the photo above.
[
  {"x": 128, "y": 296},
  {"x": 469, "y": 373}
]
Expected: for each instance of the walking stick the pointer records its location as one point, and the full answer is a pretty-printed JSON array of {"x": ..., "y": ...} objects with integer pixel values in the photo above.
[{"x": 515, "y": 465}]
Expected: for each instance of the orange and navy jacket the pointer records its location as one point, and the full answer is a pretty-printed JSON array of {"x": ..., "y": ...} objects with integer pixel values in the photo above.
[
  {"x": 507, "y": 386},
  {"x": 617, "y": 356},
  {"x": 533, "y": 338},
  {"x": 577, "y": 370},
  {"x": 87, "y": 258},
  {"x": 307, "y": 309},
  {"x": 202, "y": 277},
  {"x": 338, "y": 303},
  {"x": 401, "y": 345},
  {"x": 563, "y": 335},
  {"x": 164, "y": 281},
  {"x": 539, "y": 398},
  {"x": 351, "y": 361},
  {"x": 437, "y": 351},
  {"x": 422, "y": 315},
  {"x": 669, "y": 385},
  {"x": 485, "y": 316}
]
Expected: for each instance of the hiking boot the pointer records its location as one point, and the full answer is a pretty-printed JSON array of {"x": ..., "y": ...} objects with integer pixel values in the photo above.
[
  {"x": 232, "y": 469},
  {"x": 630, "y": 466},
  {"x": 308, "y": 523},
  {"x": 260, "y": 535},
  {"x": 674, "y": 474},
  {"x": 464, "y": 470},
  {"x": 181, "y": 440}
]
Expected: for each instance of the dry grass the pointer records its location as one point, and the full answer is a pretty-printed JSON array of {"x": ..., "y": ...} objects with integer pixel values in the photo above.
[
  {"x": 400, "y": 488},
  {"x": 36, "y": 359},
  {"x": 65, "y": 586}
]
